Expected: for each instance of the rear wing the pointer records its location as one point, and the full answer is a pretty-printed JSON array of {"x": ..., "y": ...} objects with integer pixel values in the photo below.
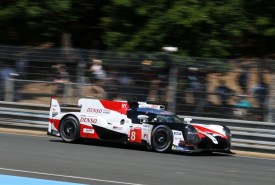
[
  {"x": 54, "y": 108},
  {"x": 153, "y": 106}
]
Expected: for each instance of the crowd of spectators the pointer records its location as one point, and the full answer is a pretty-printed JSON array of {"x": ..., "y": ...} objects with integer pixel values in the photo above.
[
  {"x": 234, "y": 97},
  {"x": 143, "y": 82}
]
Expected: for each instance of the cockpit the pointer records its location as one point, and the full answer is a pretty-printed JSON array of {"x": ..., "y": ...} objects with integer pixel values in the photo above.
[
  {"x": 152, "y": 115},
  {"x": 167, "y": 118}
]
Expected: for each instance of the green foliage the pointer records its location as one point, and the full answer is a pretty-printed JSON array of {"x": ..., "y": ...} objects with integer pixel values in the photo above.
[
  {"x": 202, "y": 28},
  {"x": 206, "y": 28},
  {"x": 30, "y": 22},
  {"x": 198, "y": 28}
]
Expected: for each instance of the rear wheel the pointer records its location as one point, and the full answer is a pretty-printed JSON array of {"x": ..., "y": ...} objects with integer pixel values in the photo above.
[
  {"x": 162, "y": 138},
  {"x": 69, "y": 129}
]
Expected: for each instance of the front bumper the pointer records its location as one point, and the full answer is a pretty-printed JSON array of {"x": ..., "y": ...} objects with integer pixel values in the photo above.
[{"x": 205, "y": 144}]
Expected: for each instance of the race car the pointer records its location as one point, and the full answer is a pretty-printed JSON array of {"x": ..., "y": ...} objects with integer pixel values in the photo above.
[{"x": 136, "y": 122}]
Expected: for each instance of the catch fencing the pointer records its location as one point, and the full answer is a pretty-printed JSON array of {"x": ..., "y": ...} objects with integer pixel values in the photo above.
[
  {"x": 247, "y": 135},
  {"x": 187, "y": 86}
]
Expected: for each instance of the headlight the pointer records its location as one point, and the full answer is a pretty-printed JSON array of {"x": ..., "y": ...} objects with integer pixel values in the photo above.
[
  {"x": 191, "y": 135},
  {"x": 227, "y": 132}
]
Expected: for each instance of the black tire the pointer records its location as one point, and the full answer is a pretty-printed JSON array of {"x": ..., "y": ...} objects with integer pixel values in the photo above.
[
  {"x": 69, "y": 129},
  {"x": 161, "y": 138}
]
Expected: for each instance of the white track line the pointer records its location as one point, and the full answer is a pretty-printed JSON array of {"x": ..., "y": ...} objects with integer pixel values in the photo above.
[{"x": 71, "y": 177}]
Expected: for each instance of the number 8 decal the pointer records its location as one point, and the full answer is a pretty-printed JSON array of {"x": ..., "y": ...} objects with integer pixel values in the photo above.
[{"x": 135, "y": 135}]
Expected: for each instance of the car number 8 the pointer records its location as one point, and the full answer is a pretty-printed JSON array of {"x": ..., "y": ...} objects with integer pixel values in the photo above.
[{"x": 133, "y": 135}]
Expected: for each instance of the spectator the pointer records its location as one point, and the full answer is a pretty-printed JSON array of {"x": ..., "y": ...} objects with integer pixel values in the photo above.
[
  {"x": 126, "y": 84},
  {"x": 21, "y": 68},
  {"x": 224, "y": 93},
  {"x": 6, "y": 72},
  {"x": 61, "y": 77},
  {"x": 243, "y": 80},
  {"x": 145, "y": 76},
  {"x": 242, "y": 107},
  {"x": 162, "y": 81},
  {"x": 260, "y": 91},
  {"x": 199, "y": 93},
  {"x": 97, "y": 71},
  {"x": 98, "y": 77}
]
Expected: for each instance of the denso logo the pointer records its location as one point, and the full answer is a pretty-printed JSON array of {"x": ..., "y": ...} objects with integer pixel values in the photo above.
[
  {"x": 88, "y": 120},
  {"x": 94, "y": 110}
]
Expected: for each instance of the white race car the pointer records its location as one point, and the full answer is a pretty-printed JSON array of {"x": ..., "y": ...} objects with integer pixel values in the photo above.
[{"x": 136, "y": 122}]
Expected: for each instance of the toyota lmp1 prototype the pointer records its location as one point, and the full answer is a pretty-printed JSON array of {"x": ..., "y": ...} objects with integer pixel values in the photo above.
[{"x": 136, "y": 122}]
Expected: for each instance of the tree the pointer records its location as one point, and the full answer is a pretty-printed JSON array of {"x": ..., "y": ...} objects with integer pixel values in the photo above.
[
  {"x": 29, "y": 22},
  {"x": 207, "y": 28},
  {"x": 202, "y": 28}
]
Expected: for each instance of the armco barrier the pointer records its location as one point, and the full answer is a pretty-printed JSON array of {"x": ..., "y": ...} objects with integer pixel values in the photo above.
[{"x": 247, "y": 135}]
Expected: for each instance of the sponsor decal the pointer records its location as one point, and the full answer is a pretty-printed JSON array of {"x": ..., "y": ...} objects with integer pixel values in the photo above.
[
  {"x": 145, "y": 136},
  {"x": 124, "y": 105},
  {"x": 88, "y": 120},
  {"x": 135, "y": 135},
  {"x": 180, "y": 148},
  {"x": 146, "y": 126},
  {"x": 145, "y": 129},
  {"x": 177, "y": 133},
  {"x": 117, "y": 128},
  {"x": 94, "y": 110},
  {"x": 88, "y": 130},
  {"x": 106, "y": 111},
  {"x": 155, "y": 106}
]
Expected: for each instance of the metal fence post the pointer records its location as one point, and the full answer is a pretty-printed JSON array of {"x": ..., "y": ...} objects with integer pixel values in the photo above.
[
  {"x": 67, "y": 90},
  {"x": 271, "y": 102},
  {"x": 172, "y": 88},
  {"x": 9, "y": 89}
]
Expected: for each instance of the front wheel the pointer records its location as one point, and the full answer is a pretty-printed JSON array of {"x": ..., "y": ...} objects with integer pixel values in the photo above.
[
  {"x": 69, "y": 129},
  {"x": 162, "y": 138}
]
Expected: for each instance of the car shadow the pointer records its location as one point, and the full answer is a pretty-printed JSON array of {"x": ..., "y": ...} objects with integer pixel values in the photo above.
[{"x": 138, "y": 147}]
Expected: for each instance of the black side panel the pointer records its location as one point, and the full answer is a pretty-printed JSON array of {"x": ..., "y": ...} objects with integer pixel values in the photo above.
[
  {"x": 110, "y": 135},
  {"x": 176, "y": 126}
]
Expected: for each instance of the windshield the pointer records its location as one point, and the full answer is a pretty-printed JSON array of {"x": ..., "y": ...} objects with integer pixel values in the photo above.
[{"x": 167, "y": 118}]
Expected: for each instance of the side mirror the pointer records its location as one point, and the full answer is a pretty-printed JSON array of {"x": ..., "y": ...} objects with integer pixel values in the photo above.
[
  {"x": 143, "y": 118},
  {"x": 187, "y": 120}
]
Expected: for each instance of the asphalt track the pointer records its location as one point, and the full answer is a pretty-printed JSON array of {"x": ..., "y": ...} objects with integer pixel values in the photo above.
[{"x": 48, "y": 158}]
